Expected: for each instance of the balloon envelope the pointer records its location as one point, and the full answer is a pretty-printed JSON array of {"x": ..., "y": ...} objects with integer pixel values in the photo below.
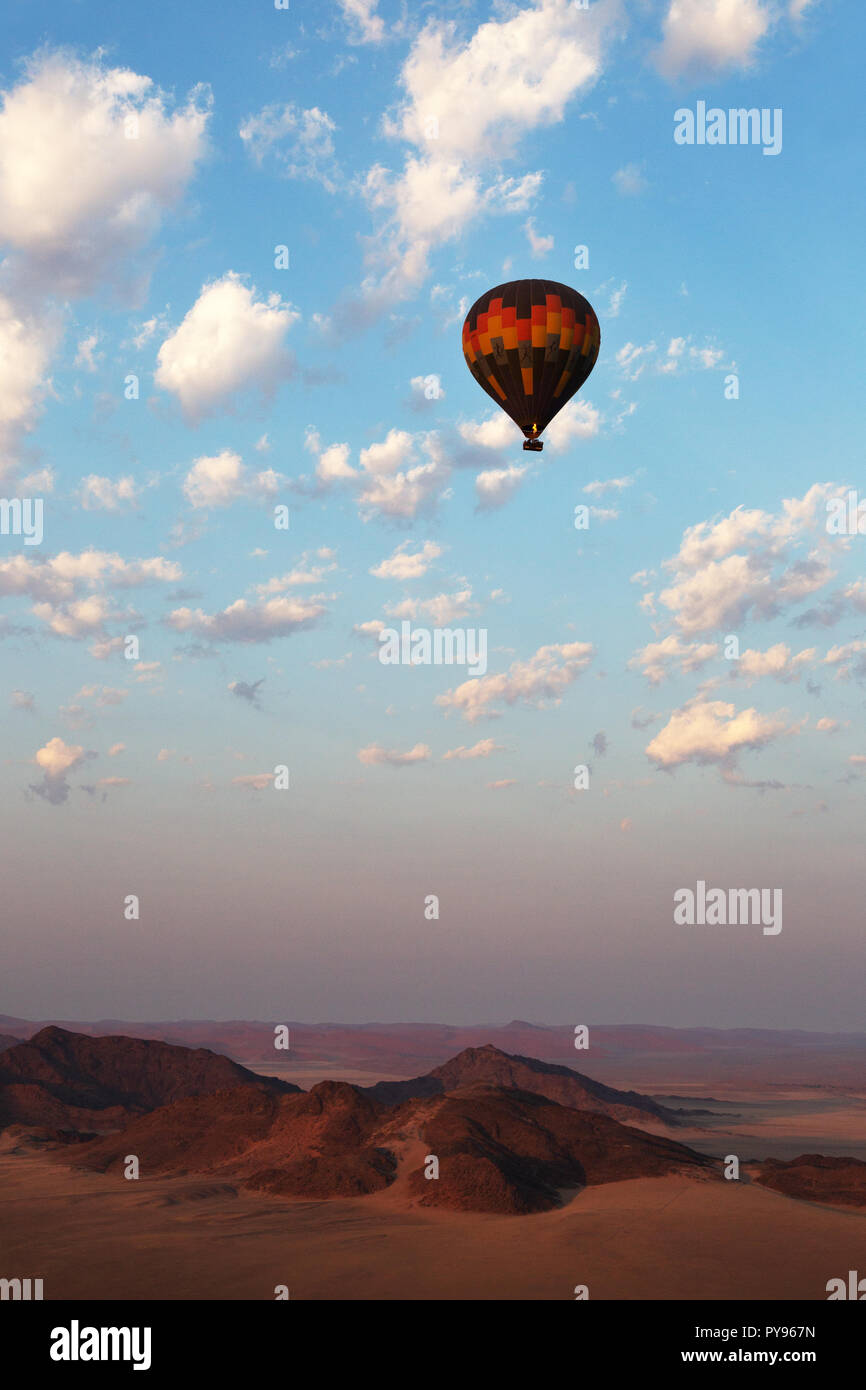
[{"x": 531, "y": 344}]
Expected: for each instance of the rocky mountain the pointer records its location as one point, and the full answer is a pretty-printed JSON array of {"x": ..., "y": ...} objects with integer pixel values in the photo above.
[
  {"x": 499, "y": 1149},
  {"x": 505, "y": 1150},
  {"x": 64, "y": 1080},
  {"x": 495, "y": 1068},
  {"x": 317, "y": 1143},
  {"x": 816, "y": 1178}
]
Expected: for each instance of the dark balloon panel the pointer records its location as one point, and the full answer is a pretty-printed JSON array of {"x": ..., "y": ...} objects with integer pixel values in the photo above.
[{"x": 531, "y": 344}]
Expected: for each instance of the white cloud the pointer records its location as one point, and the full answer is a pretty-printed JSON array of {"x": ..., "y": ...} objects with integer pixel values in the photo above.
[
  {"x": 849, "y": 659},
  {"x": 328, "y": 662},
  {"x": 80, "y": 618},
  {"x": 365, "y": 25},
  {"x": 600, "y": 488},
  {"x": 441, "y": 610},
  {"x": 576, "y": 420},
  {"x": 58, "y": 587},
  {"x": 713, "y": 732},
  {"x": 633, "y": 359},
  {"x": 103, "y": 695},
  {"x": 485, "y": 748},
  {"x": 221, "y": 479},
  {"x": 57, "y": 759},
  {"x": 304, "y": 573},
  {"x": 616, "y": 300},
  {"x": 747, "y": 563},
  {"x": 106, "y": 494},
  {"x": 255, "y": 781},
  {"x": 408, "y": 564},
  {"x": 489, "y": 88},
  {"x": 41, "y": 481},
  {"x": 496, "y": 486},
  {"x": 390, "y": 488},
  {"x": 400, "y": 477},
  {"x": 710, "y": 35},
  {"x": 538, "y": 245},
  {"x": 77, "y": 193},
  {"x": 228, "y": 341},
  {"x": 657, "y": 660},
  {"x": 243, "y": 621},
  {"x": 540, "y": 680},
  {"x": 466, "y": 104},
  {"x": 299, "y": 142},
  {"x": 513, "y": 195},
  {"x": 777, "y": 661},
  {"x": 148, "y": 671},
  {"x": 332, "y": 463},
  {"x": 56, "y": 578},
  {"x": 496, "y": 432},
  {"x": 86, "y": 355},
  {"x": 27, "y": 341},
  {"x": 706, "y": 357},
  {"x": 390, "y": 455},
  {"x": 146, "y": 330},
  {"x": 65, "y": 235},
  {"x": 630, "y": 181},
  {"x": 375, "y": 755}
]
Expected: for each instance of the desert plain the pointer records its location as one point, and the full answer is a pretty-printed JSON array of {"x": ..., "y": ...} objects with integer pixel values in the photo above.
[{"x": 195, "y": 1235}]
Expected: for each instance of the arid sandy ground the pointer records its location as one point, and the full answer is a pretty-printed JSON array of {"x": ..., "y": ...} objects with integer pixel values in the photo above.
[{"x": 92, "y": 1236}]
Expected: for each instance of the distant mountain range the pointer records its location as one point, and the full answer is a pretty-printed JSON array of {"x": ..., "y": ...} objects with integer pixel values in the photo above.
[
  {"x": 508, "y": 1133},
  {"x": 645, "y": 1054}
]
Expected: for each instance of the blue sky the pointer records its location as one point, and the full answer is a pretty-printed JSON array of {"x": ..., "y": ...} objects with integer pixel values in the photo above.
[{"x": 155, "y": 256}]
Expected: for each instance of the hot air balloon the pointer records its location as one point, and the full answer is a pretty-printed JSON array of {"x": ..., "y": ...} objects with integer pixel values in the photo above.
[{"x": 531, "y": 344}]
